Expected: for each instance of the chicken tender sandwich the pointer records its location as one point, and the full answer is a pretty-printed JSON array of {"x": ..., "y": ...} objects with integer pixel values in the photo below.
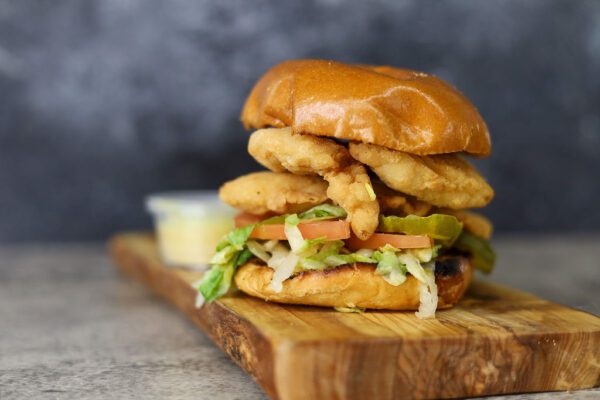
[{"x": 365, "y": 204}]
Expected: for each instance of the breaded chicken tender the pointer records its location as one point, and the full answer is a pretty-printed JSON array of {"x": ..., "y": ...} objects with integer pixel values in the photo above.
[
  {"x": 280, "y": 150},
  {"x": 348, "y": 188},
  {"x": 349, "y": 183},
  {"x": 396, "y": 203},
  {"x": 279, "y": 192},
  {"x": 442, "y": 180}
]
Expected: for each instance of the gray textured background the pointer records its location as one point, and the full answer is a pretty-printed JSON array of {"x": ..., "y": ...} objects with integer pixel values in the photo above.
[{"x": 104, "y": 101}]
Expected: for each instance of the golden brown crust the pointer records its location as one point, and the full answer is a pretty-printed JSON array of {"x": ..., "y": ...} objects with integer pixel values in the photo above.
[
  {"x": 400, "y": 204},
  {"x": 280, "y": 150},
  {"x": 279, "y": 192},
  {"x": 354, "y": 285},
  {"x": 391, "y": 107},
  {"x": 348, "y": 188},
  {"x": 444, "y": 180}
]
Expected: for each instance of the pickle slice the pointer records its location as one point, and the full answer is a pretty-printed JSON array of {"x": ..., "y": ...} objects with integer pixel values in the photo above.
[{"x": 441, "y": 227}]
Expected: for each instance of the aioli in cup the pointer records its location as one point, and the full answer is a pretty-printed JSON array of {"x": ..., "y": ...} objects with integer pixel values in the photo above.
[{"x": 189, "y": 225}]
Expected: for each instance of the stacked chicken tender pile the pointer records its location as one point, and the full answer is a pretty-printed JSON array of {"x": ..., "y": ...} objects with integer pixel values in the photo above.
[
  {"x": 308, "y": 171},
  {"x": 377, "y": 147}
]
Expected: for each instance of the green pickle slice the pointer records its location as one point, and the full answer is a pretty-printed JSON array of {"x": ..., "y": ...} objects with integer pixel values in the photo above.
[{"x": 444, "y": 228}]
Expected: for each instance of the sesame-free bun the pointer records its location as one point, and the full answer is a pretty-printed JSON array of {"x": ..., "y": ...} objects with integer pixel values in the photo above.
[
  {"x": 396, "y": 108},
  {"x": 354, "y": 285}
]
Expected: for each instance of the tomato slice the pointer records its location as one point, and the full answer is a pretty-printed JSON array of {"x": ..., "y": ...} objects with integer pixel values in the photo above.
[
  {"x": 378, "y": 240},
  {"x": 330, "y": 230}
]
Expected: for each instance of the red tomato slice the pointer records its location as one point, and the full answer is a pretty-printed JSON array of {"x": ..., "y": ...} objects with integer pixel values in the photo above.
[
  {"x": 378, "y": 240},
  {"x": 330, "y": 230}
]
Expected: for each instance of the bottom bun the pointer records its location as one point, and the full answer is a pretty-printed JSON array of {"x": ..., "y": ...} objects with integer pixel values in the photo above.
[{"x": 355, "y": 285}]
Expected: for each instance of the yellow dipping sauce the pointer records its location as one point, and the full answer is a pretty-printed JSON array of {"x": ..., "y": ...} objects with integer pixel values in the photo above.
[{"x": 189, "y": 225}]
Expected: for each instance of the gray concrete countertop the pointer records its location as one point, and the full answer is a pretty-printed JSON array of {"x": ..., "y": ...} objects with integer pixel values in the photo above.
[{"x": 70, "y": 327}]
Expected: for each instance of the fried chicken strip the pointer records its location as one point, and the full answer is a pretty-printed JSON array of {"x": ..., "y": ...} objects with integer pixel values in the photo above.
[
  {"x": 396, "y": 203},
  {"x": 280, "y": 150},
  {"x": 349, "y": 183},
  {"x": 279, "y": 192},
  {"x": 285, "y": 193},
  {"x": 443, "y": 180}
]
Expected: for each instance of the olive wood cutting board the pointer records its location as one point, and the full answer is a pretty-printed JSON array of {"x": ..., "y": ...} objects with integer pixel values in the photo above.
[{"x": 496, "y": 340}]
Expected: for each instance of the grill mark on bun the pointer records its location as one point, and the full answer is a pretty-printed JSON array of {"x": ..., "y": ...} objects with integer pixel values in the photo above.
[{"x": 334, "y": 270}]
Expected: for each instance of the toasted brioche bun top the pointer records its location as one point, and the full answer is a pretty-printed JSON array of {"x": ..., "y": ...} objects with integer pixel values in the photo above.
[{"x": 396, "y": 108}]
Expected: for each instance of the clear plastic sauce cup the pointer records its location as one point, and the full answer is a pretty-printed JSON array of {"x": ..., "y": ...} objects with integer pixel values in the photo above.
[{"x": 189, "y": 225}]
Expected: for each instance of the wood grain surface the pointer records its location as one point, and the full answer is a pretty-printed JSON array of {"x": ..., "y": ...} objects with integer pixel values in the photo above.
[{"x": 497, "y": 340}]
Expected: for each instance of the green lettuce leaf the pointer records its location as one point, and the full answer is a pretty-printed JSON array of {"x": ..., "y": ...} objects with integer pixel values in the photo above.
[
  {"x": 217, "y": 281},
  {"x": 243, "y": 257},
  {"x": 237, "y": 237},
  {"x": 309, "y": 264},
  {"x": 258, "y": 250},
  {"x": 390, "y": 267},
  {"x": 231, "y": 253},
  {"x": 323, "y": 211},
  {"x": 483, "y": 255}
]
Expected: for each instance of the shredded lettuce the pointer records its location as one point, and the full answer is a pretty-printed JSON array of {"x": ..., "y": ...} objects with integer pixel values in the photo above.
[
  {"x": 300, "y": 254},
  {"x": 243, "y": 257},
  {"x": 393, "y": 265},
  {"x": 211, "y": 282},
  {"x": 236, "y": 238},
  {"x": 331, "y": 255},
  {"x": 299, "y": 245},
  {"x": 426, "y": 255},
  {"x": 283, "y": 263},
  {"x": 224, "y": 255},
  {"x": 323, "y": 211},
  {"x": 231, "y": 253},
  {"x": 413, "y": 266},
  {"x": 329, "y": 249},
  {"x": 339, "y": 259},
  {"x": 258, "y": 250},
  {"x": 367, "y": 253},
  {"x": 370, "y": 191},
  {"x": 310, "y": 246},
  {"x": 308, "y": 264},
  {"x": 318, "y": 260},
  {"x": 389, "y": 266},
  {"x": 270, "y": 244},
  {"x": 292, "y": 233},
  {"x": 428, "y": 294}
]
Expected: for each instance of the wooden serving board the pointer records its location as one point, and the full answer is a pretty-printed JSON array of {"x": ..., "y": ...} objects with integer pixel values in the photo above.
[{"x": 496, "y": 340}]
